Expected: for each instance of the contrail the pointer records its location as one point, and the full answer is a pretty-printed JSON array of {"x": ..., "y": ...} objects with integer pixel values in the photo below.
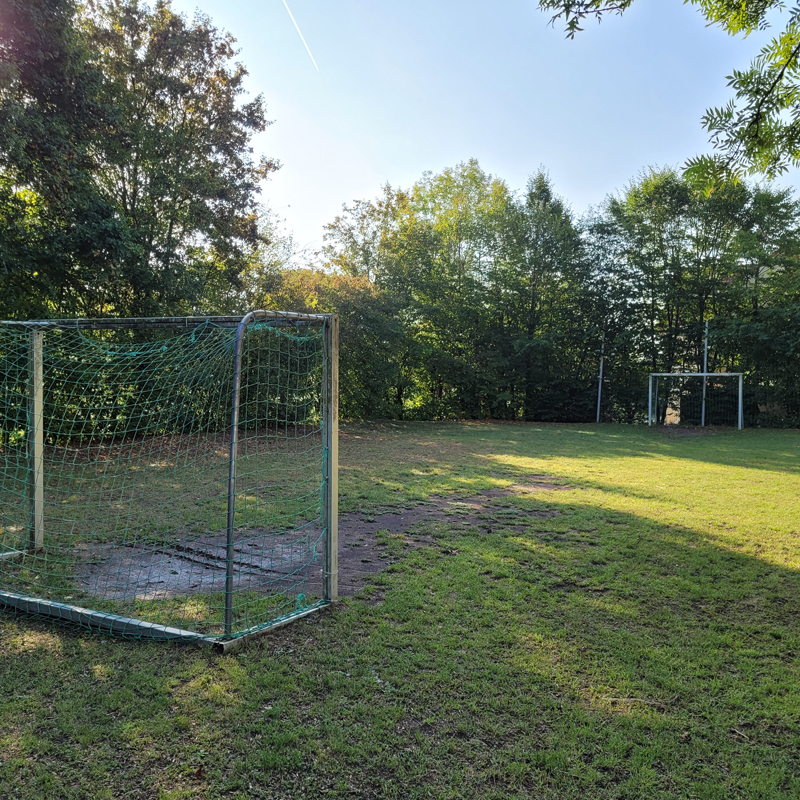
[{"x": 301, "y": 35}]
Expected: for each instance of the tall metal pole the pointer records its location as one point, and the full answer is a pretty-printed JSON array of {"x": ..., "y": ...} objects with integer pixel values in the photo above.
[
  {"x": 330, "y": 435},
  {"x": 36, "y": 441},
  {"x": 650, "y": 400},
  {"x": 600, "y": 380},
  {"x": 229, "y": 554},
  {"x": 741, "y": 405},
  {"x": 655, "y": 403},
  {"x": 705, "y": 380}
]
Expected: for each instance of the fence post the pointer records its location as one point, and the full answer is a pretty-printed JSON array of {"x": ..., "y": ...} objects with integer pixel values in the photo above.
[
  {"x": 36, "y": 441},
  {"x": 741, "y": 406},
  {"x": 600, "y": 380},
  {"x": 330, "y": 434}
]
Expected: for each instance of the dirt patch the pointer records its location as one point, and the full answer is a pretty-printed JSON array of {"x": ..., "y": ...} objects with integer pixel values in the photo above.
[
  {"x": 361, "y": 555},
  {"x": 269, "y": 562}
]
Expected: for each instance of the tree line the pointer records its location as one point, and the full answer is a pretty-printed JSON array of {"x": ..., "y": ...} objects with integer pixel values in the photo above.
[
  {"x": 128, "y": 187},
  {"x": 463, "y": 299}
]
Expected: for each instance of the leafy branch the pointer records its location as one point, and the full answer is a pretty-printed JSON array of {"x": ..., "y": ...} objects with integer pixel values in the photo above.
[{"x": 759, "y": 130}]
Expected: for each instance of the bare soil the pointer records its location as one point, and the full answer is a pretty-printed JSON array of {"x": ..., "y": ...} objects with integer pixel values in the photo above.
[{"x": 269, "y": 562}]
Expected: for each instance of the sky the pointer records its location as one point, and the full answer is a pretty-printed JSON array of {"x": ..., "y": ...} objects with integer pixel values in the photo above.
[{"x": 404, "y": 88}]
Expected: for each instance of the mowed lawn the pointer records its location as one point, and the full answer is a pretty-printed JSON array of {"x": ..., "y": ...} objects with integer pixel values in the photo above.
[{"x": 642, "y": 642}]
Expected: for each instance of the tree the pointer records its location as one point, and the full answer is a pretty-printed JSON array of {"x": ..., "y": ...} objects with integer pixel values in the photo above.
[
  {"x": 680, "y": 249},
  {"x": 127, "y": 181},
  {"x": 675, "y": 258},
  {"x": 430, "y": 249},
  {"x": 273, "y": 255},
  {"x": 177, "y": 165},
  {"x": 370, "y": 337},
  {"x": 759, "y": 130},
  {"x": 446, "y": 244},
  {"x": 543, "y": 308},
  {"x": 58, "y": 233},
  {"x": 358, "y": 239}
]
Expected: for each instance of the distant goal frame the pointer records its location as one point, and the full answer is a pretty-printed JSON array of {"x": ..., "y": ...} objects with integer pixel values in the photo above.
[
  {"x": 705, "y": 376},
  {"x": 35, "y": 537}
]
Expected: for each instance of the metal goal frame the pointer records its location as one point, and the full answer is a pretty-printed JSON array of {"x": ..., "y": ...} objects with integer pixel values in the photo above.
[
  {"x": 705, "y": 376},
  {"x": 36, "y": 534}
]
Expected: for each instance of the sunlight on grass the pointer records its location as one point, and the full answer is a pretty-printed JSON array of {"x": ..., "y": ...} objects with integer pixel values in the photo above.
[
  {"x": 28, "y": 641},
  {"x": 217, "y": 687},
  {"x": 618, "y": 607},
  {"x": 631, "y": 636},
  {"x": 730, "y": 505}
]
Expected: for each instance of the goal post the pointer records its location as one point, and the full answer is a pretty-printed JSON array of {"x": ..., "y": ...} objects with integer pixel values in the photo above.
[
  {"x": 173, "y": 477},
  {"x": 674, "y": 397}
]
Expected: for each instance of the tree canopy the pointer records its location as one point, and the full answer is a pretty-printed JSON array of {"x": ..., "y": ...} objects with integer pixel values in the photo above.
[
  {"x": 128, "y": 186},
  {"x": 57, "y": 232},
  {"x": 501, "y": 302},
  {"x": 758, "y": 131},
  {"x": 127, "y": 180}
]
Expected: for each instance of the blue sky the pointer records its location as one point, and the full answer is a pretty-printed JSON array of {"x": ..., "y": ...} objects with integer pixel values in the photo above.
[{"x": 414, "y": 86}]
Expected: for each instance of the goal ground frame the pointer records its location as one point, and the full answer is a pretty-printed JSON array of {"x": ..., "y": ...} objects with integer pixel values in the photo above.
[
  {"x": 705, "y": 376},
  {"x": 119, "y": 625}
]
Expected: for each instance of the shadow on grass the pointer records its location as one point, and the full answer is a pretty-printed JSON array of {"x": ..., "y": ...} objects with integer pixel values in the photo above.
[
  {"x": 596, "y": 654},
  {"x": 641, "y": 659}
]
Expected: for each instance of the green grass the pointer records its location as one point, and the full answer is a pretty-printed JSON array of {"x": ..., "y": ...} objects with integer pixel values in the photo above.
[
  {"x": 642, "y": 643},
  {"x": 152, "y": 498},
  {"x": 156, "y": 492}
]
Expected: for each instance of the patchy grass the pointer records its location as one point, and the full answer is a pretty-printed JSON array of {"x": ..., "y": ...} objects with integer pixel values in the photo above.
[
  {"x": 641, "y": 643},
  {"x": 156, "y": 488},
  {"x": 133, "y": 527}
]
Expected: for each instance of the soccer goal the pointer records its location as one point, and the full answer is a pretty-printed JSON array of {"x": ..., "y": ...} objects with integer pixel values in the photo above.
[
  {"x": 695, "y": 398},
  {"x": 169, "y": 478}
]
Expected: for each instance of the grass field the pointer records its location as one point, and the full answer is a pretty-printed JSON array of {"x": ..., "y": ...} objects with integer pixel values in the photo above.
[{"x": 642, "y": 642}]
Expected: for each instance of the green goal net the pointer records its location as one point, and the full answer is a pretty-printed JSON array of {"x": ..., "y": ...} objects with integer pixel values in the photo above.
[{"x": 169, "y": 478}]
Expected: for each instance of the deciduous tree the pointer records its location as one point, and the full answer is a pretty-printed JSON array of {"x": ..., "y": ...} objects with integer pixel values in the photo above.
[
  {"x": 59, "y": 236},
  {"x": 178, "y": 165}
]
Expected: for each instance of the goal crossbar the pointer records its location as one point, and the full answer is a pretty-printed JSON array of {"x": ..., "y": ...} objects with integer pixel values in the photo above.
[
  {"x": 276, "y": 318},
  {"x": 705, "y": 376}
]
